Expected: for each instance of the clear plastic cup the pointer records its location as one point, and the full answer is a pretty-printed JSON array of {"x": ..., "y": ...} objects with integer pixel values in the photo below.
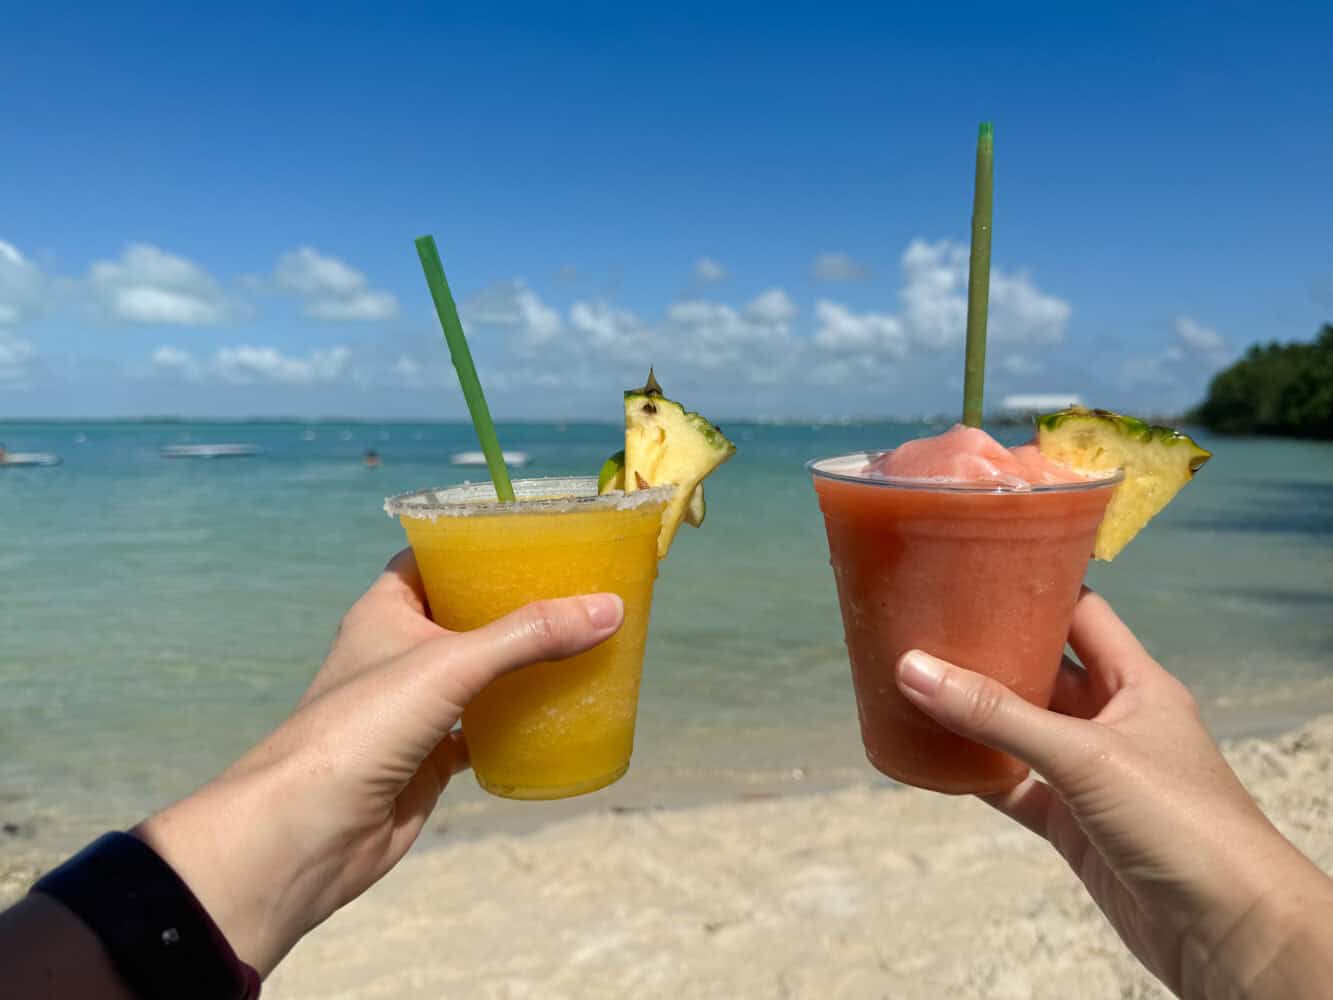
[
  {"x": 552, "y": 730},
  {"x": 982, "y": 576}
]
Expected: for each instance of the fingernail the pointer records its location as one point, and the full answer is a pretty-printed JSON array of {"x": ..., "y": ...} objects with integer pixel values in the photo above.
[
  {"x": 604, "y": 610},
  {"x": 920, "y": 671}
]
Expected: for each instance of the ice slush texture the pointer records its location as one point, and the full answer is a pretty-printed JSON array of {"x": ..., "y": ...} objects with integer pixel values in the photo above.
[{"x": 968, "y": 455}]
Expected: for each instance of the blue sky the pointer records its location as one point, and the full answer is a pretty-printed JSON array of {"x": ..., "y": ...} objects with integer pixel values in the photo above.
[{"x": 211, "y": 211}]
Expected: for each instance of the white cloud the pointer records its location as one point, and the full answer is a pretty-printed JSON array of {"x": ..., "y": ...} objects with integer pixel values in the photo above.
[
  {"x": 247, "y": 365},
  {"x": 1192, "y": 355},
  {"x": 839, "y": 267},
  {"x": 330, "y": 289},
  {"x": 1019, "y": 365},
  {"x": 840, "y": 329},
  {"x": 368, "y": 306},
  {"x": 719, "y": 344},
  {"x": 934, "y": 296},
  {"x": 21, "y": 287},
  {"x": 768, "y": 312},
  {"x": 603, "y": 343},
  {"x": 16, "y": 356},
  {"x": 755, "y": 342},
  {"x": 409, "y": 371},
  {"x": 174, "y": 359},
  {"x": 1202, "y": 339},
  {"x": 603, "y": 324},
  {"x": 308, "y": 272},
  {"x": 703, "y": 312},
  {"x": 773, "y": 307},
  {"x": 934, "y": 293},
  {"x": 1021, "y": 313},
  {"x": 709, "y": 271},
  {"x": 148, "y": 285},
  {"x": 701, "y": 344},
  {"x": 514, "y": 306}
]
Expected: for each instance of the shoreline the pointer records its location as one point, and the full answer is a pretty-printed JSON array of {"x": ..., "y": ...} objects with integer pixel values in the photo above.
[
  {"x": 474, "y": 815},
  {"x": 819, "y": 761}
]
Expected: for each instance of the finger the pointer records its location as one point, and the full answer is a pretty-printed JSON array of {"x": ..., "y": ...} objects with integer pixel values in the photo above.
[
  {"x": 448, "y": 758},
  {"x": 457, "y": 667},
  {"x": 400, "y": 583},
  {"x": 1035, "y": 805},
  {"x": 417, "y": 800},
  {"x": 1030, "y": 803},
  {"x": 984, "y": 710},
  {"x": 389, "y": 619},
  {"x": 460, "y": 759},
  {"x": 1104, "y": 644},
  {"x": 395, "y": 591},
  {"x": 1077, "y": 692}
]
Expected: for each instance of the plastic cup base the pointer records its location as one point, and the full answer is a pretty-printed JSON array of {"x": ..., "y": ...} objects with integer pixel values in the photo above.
[{"x": 554, "y": 791}]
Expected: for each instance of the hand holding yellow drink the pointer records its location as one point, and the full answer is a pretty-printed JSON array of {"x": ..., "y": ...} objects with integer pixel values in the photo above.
[{"x": 560, "y": 729}]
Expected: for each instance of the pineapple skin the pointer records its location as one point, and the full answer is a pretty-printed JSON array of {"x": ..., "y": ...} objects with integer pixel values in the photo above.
[{"x": 1129, "y": 427}]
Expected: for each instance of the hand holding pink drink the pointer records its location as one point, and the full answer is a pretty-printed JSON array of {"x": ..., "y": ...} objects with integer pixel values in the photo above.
[{"x": 974, "y": 552}]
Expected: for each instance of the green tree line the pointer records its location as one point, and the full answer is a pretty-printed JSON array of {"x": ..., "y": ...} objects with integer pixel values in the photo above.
[{"x": 1276, "y": 388}]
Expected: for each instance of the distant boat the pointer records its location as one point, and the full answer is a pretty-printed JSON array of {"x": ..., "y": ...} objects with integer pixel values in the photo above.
[
  {"x": 29, "y": 458},
  {"x": 514, "y": 458},
  {"x": 210, "y": 451}
]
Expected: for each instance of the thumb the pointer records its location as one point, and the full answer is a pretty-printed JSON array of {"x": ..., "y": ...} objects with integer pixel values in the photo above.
[
  {"x": 544, "y": 630},
  {"x": 984, "y": 710}
]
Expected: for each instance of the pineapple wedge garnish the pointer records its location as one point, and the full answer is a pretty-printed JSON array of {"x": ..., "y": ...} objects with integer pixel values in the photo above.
[
  {"x": 1157, "y": 462},
  {"x": 665, "y": 443},
  {"x": 612, "y": 477}
]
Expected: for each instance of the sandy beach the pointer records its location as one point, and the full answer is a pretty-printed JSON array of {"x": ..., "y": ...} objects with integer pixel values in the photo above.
[
  {"x": 867, "y": 891},
  {"x": 862, "y": 892}
]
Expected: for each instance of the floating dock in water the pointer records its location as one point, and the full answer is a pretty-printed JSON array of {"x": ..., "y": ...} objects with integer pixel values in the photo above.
[{"x": 21, "y": 459}]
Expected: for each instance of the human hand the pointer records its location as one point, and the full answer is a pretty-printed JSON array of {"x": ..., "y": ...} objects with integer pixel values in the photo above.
[
  {"x": 1139, "y": 801},
  {"x": 331, "y": 800}
]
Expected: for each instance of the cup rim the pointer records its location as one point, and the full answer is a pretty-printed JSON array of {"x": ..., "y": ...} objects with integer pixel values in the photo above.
[
  {"x": 816, "y": 467},
  {"x": 545, "y": 495}
]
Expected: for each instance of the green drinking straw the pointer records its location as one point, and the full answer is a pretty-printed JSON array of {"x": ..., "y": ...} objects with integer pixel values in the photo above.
[
  {"x": 467, "y": 372},
  {"x": 978, "y": 280}
]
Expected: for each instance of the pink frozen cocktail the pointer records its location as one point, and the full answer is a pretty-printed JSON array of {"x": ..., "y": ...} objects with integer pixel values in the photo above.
[{"x": 968, "y": 550}]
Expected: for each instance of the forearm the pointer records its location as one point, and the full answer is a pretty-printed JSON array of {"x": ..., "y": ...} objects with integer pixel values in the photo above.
[
  {"x": 1281, "y": 949},
  {"x": 48, "y": 954}
]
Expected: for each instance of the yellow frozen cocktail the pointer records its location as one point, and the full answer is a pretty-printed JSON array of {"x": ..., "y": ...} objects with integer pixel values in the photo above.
[
  {"x": 554, "y": 730},
  {"x": 551, "y": 730}
]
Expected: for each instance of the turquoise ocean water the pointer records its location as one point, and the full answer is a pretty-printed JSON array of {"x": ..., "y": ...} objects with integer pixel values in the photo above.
[{"x": 158, "y": 616}]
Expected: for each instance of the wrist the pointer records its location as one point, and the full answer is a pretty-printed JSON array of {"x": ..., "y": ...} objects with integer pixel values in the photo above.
[
  {"x": 223, "y": 844},
  {"x": 1280, "y": 947}
]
